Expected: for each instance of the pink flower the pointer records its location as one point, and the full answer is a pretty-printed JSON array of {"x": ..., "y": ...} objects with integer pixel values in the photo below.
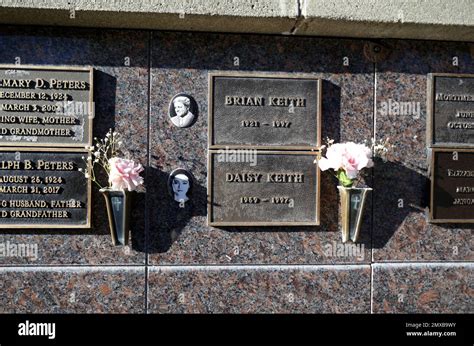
[
  {"x": 356, "y": 157},
  {"x": 124, "y": 174},
  {"x": 350, "y": 157}
]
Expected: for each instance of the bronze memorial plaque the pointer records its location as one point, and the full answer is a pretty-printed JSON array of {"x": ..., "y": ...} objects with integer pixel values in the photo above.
[
  {"x": 43, "y": 188},
  {"x": 452, "y": 186},
  {"x": 46, "y": 106},
  {"x": 451, "y": 110},
  {"x": 262, "y": 188},
  {"x": 264, "y": 111}
]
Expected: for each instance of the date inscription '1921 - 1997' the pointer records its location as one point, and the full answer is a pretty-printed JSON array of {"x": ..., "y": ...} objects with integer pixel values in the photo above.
[
  {"x": 264, "y": 133},
  {"x": 266, "y": 112}
]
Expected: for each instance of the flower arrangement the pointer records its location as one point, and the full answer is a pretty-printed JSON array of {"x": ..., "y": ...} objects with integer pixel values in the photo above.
[
  {"x": 123, "y": 174},
  {"x": 123, "y": 177},
  {"x": 349, "y": 158}
]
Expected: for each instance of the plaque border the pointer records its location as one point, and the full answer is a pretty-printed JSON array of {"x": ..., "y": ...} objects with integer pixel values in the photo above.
[
  {"x": 430, "y": 99},
  {"x": 317, "y": 220},
  {"x": 90, "y": 118},
  {"x": 268, "y": 75},
  {"x": 88, "y": 223},
  {"x": 431, "y": 218}
]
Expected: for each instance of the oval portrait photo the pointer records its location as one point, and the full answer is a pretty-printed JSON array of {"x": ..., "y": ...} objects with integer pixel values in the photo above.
[
  {"x": 183, "y": 110},
  {"x": 180, "y": 185}
]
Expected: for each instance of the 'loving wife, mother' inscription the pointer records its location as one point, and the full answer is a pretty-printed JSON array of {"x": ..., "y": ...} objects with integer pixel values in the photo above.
[{"x": 45, "y": 106}]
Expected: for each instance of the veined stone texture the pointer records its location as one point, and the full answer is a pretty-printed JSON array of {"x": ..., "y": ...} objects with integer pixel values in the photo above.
[{"x": 190, "y": 267}]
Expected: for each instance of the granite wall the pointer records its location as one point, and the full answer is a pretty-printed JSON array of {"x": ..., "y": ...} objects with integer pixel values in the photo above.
[{"x": 175, "y": 262}]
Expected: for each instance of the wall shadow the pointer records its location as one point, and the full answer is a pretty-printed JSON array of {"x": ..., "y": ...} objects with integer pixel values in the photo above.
[
  {"x": 104, "y": 99},
  {"x": 167, "y": 219},
  {"x": 331, "y": 111},
  {"x": 398, "y": 191}
]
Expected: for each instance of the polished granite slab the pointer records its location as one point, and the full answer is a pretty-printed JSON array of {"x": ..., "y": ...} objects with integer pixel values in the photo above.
[
  {"x": 401, "y": 185},
  {"x": 259, "y": 289},
  {"x": 72, "y": 290},
  {"x": 423, "y": 288},
  {"x": 120, "y": 96},
  {"x": 196, "y": 268},
  {"x": 180, "y": 63}
]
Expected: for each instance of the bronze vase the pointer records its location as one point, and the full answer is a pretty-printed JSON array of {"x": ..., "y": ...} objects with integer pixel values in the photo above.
[
  {"x": 118, "y": 212},
  {"x": 352, "y": 211}
]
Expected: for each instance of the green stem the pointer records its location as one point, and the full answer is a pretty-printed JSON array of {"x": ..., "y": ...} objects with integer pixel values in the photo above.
[{"x": 344, "y": 179}]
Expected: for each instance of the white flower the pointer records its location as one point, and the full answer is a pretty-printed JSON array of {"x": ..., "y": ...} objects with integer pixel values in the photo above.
[{"x": 87, "y": 175}]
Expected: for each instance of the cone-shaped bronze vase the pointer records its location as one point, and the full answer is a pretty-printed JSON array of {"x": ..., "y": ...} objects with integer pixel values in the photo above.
[
  {"x": 352, "y": 211},
  {"x": 118, "y": 212}
]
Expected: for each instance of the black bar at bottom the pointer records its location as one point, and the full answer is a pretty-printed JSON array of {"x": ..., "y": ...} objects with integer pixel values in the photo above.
[{"x": 241, "y": 329}]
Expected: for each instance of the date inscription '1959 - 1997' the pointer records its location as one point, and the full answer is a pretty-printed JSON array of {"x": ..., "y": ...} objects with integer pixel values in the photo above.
[
  {"x": 280, "y": 188},
  {"x": 264, "y": 133}
]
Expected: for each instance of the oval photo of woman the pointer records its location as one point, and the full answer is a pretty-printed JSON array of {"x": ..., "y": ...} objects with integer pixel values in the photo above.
[{"x": 183, "y": 110}]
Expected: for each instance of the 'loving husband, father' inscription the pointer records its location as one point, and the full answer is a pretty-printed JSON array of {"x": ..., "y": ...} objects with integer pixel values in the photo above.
[
  {"x": 452, "y": 185},
  {"x": 45, "y": 106},
  {"x": 264, "y": 111},
  {"x": 451, "y": 110},
  {"x": 263, "y": 188},
  {"x": 42, "y": 188}
]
